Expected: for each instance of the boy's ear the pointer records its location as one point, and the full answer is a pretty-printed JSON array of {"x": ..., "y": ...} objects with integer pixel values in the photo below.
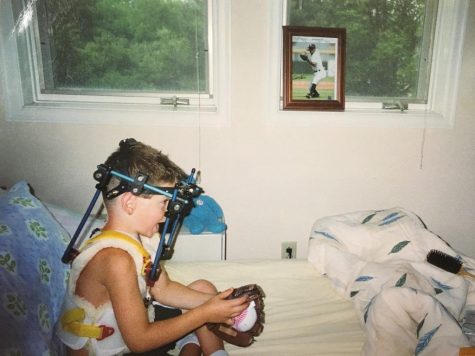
[{"x": 128, "y": 202}]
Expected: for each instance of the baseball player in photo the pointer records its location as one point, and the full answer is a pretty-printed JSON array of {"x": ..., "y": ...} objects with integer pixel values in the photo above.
[{"x": 315, "y": 62}]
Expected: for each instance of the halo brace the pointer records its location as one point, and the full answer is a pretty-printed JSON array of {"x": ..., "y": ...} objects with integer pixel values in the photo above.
[{"x": 179, "y": 205}]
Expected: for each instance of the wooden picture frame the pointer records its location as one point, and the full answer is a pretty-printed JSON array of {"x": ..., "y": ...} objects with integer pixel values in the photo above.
[{"x": 326, "y": 47}]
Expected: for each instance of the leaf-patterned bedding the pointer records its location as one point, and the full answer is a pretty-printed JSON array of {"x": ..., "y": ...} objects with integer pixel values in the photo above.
[{"x": 378, "y": 260}]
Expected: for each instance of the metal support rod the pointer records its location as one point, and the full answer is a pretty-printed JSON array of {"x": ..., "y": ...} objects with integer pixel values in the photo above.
[
  {"x": 153, "y": 276},
  {"x": 147, "y": 186},
  {"x": 67, "y": 257},
  {"x": 153, "y": 273}
]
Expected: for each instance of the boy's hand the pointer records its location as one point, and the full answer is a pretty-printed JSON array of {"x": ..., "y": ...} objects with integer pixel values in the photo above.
[
  {"x": 221, "y": 309},
  {"x": 251, "y": 293}
]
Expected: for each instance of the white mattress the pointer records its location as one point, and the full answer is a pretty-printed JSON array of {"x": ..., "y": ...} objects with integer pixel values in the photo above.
[{"x": 304, "y": 315}]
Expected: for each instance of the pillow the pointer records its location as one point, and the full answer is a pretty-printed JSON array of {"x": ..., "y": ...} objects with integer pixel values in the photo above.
[
  {"x": 32, "y": 276},
  {"x": 70, "y": 220}
]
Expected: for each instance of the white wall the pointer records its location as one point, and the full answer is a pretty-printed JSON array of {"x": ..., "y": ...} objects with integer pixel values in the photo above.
[{"x": 273, "y": 181}]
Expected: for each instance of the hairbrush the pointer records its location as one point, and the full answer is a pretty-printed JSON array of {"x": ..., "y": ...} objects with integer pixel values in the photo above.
[{"x": 447, "y": 263}]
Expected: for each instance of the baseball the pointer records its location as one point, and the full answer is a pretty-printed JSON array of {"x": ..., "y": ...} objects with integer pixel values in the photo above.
[{"x": 246, "y": 320}]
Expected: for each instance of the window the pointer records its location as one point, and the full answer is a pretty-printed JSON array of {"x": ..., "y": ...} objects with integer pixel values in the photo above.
[
  {"x": 389, "y": 44},
  {"x": 117, "y": 56},
  {"x": 426, "y": 81},
  {"x": 107, "y": 46}
]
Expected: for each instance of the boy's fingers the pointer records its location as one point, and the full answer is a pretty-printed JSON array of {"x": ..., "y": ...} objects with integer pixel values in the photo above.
[
  {"x": 241, "y": 301},
  {"x": 226, "y": 293}
]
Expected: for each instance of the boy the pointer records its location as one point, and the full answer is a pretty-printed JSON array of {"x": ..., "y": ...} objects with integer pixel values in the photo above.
[{"x": 103, "y": 312}]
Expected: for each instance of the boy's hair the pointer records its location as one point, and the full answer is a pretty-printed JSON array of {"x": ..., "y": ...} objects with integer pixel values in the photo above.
[{"x": 133, "y": 157}]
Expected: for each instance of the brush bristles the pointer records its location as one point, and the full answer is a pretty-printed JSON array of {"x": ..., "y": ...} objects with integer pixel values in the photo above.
[{"x": 444, "y": 261}]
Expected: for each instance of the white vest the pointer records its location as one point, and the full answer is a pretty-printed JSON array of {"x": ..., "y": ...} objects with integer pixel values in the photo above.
[{"x": 102, "y": 315}]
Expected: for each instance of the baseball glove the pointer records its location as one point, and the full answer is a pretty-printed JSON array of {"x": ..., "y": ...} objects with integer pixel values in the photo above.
[
  {"x": 229, "y": 334},
  {"x": 304, "y": 57}
]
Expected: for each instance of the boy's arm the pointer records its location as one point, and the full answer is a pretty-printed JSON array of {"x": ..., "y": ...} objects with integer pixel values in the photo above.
[
  {"x": 177, "y": 295},
  {"x": 120, "y": 280},
  {"x": 119, "y": 277}
]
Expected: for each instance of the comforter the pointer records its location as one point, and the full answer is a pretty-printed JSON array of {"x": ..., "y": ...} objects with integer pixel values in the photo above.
[{"x": 405, "y": 305}]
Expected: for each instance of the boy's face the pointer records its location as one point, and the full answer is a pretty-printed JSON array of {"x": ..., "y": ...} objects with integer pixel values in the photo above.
[{"x": 150, "y": 212}]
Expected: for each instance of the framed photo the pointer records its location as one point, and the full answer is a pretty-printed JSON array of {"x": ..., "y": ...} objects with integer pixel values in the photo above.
[{"x": 314, "y": 68}]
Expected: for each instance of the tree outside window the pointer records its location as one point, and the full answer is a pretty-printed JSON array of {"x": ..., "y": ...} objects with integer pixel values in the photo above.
[
  {"x": 123, "y": 45},
  {"x": 388, "y": 43}
]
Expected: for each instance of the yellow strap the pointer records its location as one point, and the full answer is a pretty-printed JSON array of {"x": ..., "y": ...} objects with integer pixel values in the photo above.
[
  {"x": 109, "y": 234},
  {"x": 112, "y": 234},
  {"x": 72, "y": 321}
]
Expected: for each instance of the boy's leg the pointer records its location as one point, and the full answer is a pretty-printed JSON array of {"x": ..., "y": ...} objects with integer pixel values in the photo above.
[
  {"x": 161, "y": 313},
  {"x": 189, "y": 345},
  {"x": 190, "y": 349},
  {"x": 209, "y": 341}
]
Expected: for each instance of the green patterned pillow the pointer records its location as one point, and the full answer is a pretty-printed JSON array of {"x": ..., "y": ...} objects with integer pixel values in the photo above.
[{"x": 32, "y": 276}]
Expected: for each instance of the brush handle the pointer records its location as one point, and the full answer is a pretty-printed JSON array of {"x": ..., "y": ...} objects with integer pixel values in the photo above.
[{"x": 464, "y": 273}]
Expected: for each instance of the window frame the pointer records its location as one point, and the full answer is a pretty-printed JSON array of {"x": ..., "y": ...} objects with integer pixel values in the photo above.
[
  {"x": 25, "y": 102},
  {"x": 440, "y": 108}
]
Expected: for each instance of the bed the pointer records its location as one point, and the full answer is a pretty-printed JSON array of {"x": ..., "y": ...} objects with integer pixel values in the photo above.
[
  {"x": 304, "y": 315},
  {"x": 311, "y": 305}
]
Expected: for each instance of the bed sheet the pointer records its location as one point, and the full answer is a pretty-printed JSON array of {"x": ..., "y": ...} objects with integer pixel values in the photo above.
[{"x": 304, "y": 314}]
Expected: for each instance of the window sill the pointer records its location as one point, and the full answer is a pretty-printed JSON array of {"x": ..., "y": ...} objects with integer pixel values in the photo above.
[
  {"x": 114, "y": 113},
  {"x": 355, "y": 116}
]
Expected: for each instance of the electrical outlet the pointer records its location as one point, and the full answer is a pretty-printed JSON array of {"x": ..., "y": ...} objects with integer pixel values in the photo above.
[{"x": 289, "y": 250}]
